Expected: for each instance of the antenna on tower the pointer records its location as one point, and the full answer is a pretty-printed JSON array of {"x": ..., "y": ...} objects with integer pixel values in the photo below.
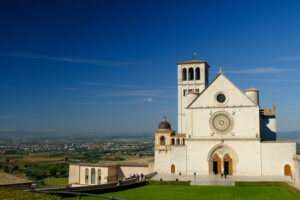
[{"x": 194, "y": 54}]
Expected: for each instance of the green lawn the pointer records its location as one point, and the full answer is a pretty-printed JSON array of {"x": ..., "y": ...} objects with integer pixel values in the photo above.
[
  {"x": 174, "y": 192},
  {"x": 7, "y": 194},
  {"x": 56, "y": 182}
]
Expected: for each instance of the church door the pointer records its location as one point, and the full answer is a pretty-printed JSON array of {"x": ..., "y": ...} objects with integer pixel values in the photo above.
[
  {"x": 173, "y": 169},
  {"x": 217, "y": 165},
  {"x": 287, "y": 170},
  {"x": 228, "y": 165}
]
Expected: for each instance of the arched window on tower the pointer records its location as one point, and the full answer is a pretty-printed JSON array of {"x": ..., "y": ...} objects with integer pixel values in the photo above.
[
  {"x": 191, "y": 74},
  {"x": 184, "y": 74},
  {"x": 183, "y": 141},
  {"x": 177, "y": 141},
  {"x": 197, "y": 73},
  {"x": 86, "y": 176},
  {"x": 172, "y": 141},
  {"x": 162, "y": 140}
]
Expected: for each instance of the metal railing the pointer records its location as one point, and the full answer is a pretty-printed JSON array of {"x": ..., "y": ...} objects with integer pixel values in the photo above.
[{"x": 80, "y": 194}]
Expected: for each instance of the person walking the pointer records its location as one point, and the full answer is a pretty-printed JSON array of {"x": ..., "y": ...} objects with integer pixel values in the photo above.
[{"x": 225, "y": 173}]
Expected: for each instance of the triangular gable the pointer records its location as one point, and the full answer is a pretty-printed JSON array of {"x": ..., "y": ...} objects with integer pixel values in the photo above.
[{"x": 221, "y": 84}]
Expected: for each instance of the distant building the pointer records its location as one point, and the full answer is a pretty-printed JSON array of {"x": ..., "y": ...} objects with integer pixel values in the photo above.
[
  {"x": 10, "y": 181},
  {"x": 105, "y": 172},
  {"x": 221, "y": 129}
]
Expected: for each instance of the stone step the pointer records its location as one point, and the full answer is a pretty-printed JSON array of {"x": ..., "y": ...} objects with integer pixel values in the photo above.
[{"x": 213, "y": 182}]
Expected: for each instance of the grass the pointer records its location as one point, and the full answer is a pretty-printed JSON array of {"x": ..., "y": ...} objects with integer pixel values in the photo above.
[
  {"x": 55, "y": 182},
  {"x": 178, "y": 192},
  {"x": 8, "y": 194}
]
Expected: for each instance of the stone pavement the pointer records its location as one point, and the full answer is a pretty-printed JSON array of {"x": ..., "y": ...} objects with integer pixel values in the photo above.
[{"x": 217, "y": 180}]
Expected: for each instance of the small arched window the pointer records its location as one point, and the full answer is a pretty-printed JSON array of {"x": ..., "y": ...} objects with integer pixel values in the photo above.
[
  {"x": 183, "y": 141},
  {"x": 162, "y": 140},
  {"x": 177, "y": 141},
  {"x": 191, "y": 74},
  {"x": 172, "y": 141},
  {"x": 86, "y": 176},
  {"x": 197, "y": 73},
  {"x": 99, "y": 176},
  {"x": 184, "y": 74}
]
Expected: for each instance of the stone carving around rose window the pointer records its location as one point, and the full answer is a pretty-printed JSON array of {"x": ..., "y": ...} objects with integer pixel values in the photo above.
[{"x": 221, "y": 122}]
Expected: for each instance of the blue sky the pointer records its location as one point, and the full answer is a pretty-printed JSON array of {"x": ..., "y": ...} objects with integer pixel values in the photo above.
[{"x": 109, "y": 66}]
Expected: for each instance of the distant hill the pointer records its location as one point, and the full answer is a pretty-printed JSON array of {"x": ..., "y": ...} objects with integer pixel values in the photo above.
[{"x": 292, "y": 135}]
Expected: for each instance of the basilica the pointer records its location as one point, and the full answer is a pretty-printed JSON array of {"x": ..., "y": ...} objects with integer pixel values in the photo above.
[{"x": 221, "y": 129}]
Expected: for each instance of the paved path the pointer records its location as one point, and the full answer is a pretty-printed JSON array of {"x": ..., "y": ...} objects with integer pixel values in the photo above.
[{"x": 217, "y": 180}]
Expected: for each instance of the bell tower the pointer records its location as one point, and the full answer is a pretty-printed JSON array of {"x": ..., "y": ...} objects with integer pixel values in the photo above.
[{"x": 192, "y": 79}]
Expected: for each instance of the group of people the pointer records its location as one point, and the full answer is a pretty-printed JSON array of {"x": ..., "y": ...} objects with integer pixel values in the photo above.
[
  {"x": 224, "y": 174},
  {"x": 138, "y": 177}
]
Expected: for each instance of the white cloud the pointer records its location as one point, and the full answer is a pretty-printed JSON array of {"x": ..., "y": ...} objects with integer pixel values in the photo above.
[
  {"x": 108, "y": 84},
  {"x": 74, "y": 60},
  {"x": 293, "y": 58},
  {"x": 270, "y": 80},
  {"x": 147, "y": 93},
  {"x": 69, "y": 88},
  {"x": 262, "y": 70}
]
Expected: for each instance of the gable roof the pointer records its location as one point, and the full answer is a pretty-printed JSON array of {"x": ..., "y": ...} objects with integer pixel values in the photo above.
[{"x": 217, "y": 77}]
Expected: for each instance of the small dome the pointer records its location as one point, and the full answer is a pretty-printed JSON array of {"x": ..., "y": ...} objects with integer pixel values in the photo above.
[{"x": 164, "y": 124}]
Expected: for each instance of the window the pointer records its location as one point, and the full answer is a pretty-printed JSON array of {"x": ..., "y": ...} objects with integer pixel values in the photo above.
[
  {"x": 177, "y": 141},
  {"x": 172, "y": 141},
  {"x": 197, "y": 73},
  {"x": 191, "y": 74},
  {"x": 183, "y": 142},
  {"x": 221, "y": 98},
  {"x": 184, "y": 92},
  {"x": 162, "y": 140},
  {"x": 184, "y": 74}
]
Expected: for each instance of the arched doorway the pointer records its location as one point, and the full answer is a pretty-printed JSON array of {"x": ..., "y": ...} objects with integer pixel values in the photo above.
[
  {"x": 86, "y": 176},
  {"x": 217, "y": 165},
  {"x": 99, "y": 176},
  {"x": 287, "y": 170},
  {"x": 219, "y": 156},
  {"x": 93, "y": 176},
  {"x": 172, "y": 169},
  {"x": 228, "y": 164}
]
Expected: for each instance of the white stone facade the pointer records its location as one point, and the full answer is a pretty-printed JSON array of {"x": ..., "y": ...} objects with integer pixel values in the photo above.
[
  {"x": 96, "y": 174},
  {"x": 223, "y": 130}
]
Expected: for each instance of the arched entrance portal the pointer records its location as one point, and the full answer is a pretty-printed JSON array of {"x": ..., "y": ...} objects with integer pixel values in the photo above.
[
  {"x": 217, "y": 164},
  {"x": 222, "y": 157},
  {"x": 287, "y": 170},
  {"x": 173, "y": 169},
  {"x": 228, "y": 164}
]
